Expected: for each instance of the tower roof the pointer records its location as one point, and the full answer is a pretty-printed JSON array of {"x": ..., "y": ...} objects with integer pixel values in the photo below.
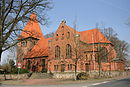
[{"x": 32, "y": 28}]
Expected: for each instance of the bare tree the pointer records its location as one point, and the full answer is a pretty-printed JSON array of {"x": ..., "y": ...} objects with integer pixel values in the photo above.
[
  {"x": 15, "y": 12},
  {"x": 49, "y": 35},
  {"x": 77, "y": 48},
  {"x": 101, "y": 53},
  {"x": 77, "y": 52},
  {"x": 102, "y": 56},
  {"x": 121, "y": 46},
  {"x": 10, "y": 55}
]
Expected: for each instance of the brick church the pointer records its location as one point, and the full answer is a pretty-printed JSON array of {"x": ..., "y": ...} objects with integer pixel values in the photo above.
[{"x": 68, "y": 50}]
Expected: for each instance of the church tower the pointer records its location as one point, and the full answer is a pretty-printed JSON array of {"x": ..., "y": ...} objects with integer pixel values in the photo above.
[{"x": 29, "y": 36}]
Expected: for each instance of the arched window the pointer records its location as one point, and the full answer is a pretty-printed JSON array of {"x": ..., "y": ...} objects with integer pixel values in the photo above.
[
  {"x": 68, "y": 51},
  {"x": 57, "y": 52},
  {"x": 70, "y": 66},
  {"x": 68, "y": 35},
  {"x": 62, "y": 37}
]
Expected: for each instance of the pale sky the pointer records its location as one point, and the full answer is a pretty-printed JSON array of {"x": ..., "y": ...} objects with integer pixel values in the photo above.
[{"x": 107, "y": 13}]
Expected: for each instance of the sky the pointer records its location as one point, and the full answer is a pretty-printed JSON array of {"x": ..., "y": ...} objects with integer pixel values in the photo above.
[{"x": 87, "y": 13}]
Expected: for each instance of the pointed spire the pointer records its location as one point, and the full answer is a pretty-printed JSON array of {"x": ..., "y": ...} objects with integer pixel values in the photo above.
[
  {"x": 32, "y": 28},
  {"x": 63, "y": 21},
  {"x": 33, "y": 16}
]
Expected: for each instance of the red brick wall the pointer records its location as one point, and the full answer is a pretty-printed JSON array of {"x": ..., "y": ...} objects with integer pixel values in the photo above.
[
  {"x": 60, "y": 39},
  {"x": 63, "y": 36},
  {"x": 36, "y": 64},
  {"x": 23, "y": 49}
]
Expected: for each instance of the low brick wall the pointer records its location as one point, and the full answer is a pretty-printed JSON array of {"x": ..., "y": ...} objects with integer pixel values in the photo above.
[
  {"x": 70, "y": 75},
  {"x": 13, "y": 76},
  {"x": 63, "y": 75},
  {"x": 92, "y": 74}
]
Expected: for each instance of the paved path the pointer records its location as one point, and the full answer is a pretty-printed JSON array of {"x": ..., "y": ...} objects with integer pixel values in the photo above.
[
  {"x": 57, "y": 83},
  {"x": 117, "y": 83}
]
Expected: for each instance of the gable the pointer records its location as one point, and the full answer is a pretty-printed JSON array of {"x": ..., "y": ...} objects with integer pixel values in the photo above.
[{"x": 64, "y": 29}]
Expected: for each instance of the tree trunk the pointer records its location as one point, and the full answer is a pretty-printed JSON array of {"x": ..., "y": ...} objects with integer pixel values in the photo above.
[
  {"x": 99, "y": 70},
  {"x": 110, "y": 69},
  {"x": 0, "y": 56},
  {"x": 99, "y": 63},
  {"x": 1, "y": 38},
  {"x": 4, "y": 75},
  {"x": 75, "y": 71}
]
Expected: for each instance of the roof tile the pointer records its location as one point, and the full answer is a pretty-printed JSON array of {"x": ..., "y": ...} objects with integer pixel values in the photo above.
[
  {"x": 93, "y": 36},
  {"x": 40, "y": 49}
]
